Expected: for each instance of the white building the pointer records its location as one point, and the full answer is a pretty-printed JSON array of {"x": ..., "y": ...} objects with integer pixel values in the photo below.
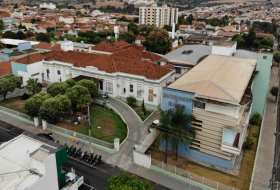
[
  {"x": 126, "y": 71},
  {"x": 28, "y": 162},
  {"x": 158, "y": 16},
  {"x": 67, "y": 20},
  {"x": 48, "y": 6}
]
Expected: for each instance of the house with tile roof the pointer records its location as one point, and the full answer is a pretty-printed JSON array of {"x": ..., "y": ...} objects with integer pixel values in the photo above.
[{"x": 127, "y": 71}]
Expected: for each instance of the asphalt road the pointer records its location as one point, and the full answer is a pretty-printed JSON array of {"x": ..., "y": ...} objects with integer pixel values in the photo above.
[{"x": 95, "y": 177}]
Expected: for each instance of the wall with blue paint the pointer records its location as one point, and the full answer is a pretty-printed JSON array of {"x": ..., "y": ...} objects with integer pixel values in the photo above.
[
  {"x": 24, "y": 46},
  {"x": 185, "y": 150},
  {"x": 7, "y": 51},
  {"x": 18, "y": 67},
  {"x": 171, "y": 97},
  {"x": 5, "y": 57},
  {"x": 261, "y": 82}
]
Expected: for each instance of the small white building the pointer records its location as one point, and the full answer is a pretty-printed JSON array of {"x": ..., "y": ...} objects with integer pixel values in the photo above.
[
  {"x": 48, "y": 6},
  {"x": 224, "y": 48},
  {"x": 66, "y": 19},
  {"x": 30, "y": 162}
]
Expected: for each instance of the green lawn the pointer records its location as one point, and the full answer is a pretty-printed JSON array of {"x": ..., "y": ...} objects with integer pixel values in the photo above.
[
  {"x": 105, "y": 127},
  {"x": 16, "y": 104}
]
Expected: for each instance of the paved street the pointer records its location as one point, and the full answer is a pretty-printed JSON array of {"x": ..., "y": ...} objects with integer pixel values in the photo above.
[{"x": 96, "y": 177}]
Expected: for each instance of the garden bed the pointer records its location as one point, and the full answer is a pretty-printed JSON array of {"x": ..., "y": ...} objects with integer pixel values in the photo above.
[
  {"x": 106, "y": 125},
  {"x": 140, "y": 113}
]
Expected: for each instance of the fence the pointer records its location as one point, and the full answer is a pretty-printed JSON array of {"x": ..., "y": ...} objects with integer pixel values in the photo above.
[
  {"x": 68, "y": 133},
  {"x": 191, "y": 176},
  {"x": 17, "y": 115}
]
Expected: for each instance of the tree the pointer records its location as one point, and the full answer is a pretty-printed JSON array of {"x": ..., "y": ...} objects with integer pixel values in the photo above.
[
  {"x": 256, "y": 43},
  {"x": 33, "y": 86},
  {"x": 182, "y": 132},
  {"x": 132, "y": 27},
  {"x": 276, "y": 57},
  {"x": 8, "y": 83},
  {"x": 165, "y": 128},
  {"x": 190, "y": 19},
  {"x": 57, "y": 88},
  {"x": 112, "y": 39},
  {"x": 53, "y": 109},
  {"x": 144, "y": 108},
  {"x": 16, "y": 6},
  {"x": 29, "y": 34},
  {"x": 43, "y": 37},
  {"x": 59, "y": 6},
  {"x": 2, "y": 25},
  {"x": 90, "y": 85},
  {"x": 70, "y": 82},
  {"x": 127, "y": 182},
  {"x": 78, "y": 13},
  {"x": 131, "y": 101},
  {"x": 239, "y": 39},
  {"x": 278, "y": 46},
  {"x": 79, "y": 94},
  {"x": 20, "y": 35},
  {"x": 33, "y": 104},
  {"x": 97, "y": 40},
  {"x": 251, "y": 37},
  {"x": 274, "y": 92},
  {"x": 33, "y": 20},
  {"x": 267, "y": 41},
  {"x": 249, "y": 144},
  {"x": 9, "y": 34},
  {"x": 20, "y": 26},
  {"x": 158, "y": 41},
  {"x": 129, "y": 37},
  {"x": 167, "y": 28}
]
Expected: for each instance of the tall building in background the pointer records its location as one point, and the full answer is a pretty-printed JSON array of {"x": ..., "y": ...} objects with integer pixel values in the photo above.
[{"x": 158, "y": 16}]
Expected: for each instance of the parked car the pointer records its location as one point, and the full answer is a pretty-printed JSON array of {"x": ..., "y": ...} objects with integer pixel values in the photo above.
[
  {"x": 46, "y": 136},
  {"x": 154, "y": 124}
]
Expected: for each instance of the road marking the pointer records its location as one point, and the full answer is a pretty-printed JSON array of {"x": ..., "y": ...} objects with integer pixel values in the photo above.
[
  {"x": 89, "y": 186},
  {"x": 90, "y": 165}
]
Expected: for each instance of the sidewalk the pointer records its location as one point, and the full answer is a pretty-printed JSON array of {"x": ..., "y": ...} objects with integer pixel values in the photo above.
[
  {"x": 265, "y": 153},
  {"x": 154, "y": 176}
]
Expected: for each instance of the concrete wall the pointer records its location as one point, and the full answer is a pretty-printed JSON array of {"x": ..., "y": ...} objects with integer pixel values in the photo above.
[
  {"x": 49, "y": 181},
  {"x": 18, "y": 67},
  {"x": 24, "y": 46},
  {"x": 224, "y": 50},
  {"x": 142, "y": 159},
  {"x": 4, "y": 57},
  {"x": 222, "y": 110},
  {"x": 171, "y": 97},
  {"x": 261, "y": 82}
]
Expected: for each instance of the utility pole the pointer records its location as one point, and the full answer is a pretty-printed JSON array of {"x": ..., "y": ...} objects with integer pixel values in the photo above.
[{"x": 89, "y": 128}]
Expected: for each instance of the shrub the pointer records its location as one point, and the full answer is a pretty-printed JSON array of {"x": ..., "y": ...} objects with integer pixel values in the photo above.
[
  {"x": 256, "y": 119},
  {"x": 131, "y": 101},
  {"x": 249, "y": 144},
  {"x": 25, "y": 96}
]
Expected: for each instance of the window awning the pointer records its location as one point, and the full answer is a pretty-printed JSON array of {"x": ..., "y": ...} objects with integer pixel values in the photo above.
[{"x": 81, "y": 77}]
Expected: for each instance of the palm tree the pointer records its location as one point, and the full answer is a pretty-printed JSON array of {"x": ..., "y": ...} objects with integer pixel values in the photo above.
[
  {"x": 182, "y": 132},
  {"x": 165, "y": 128},
  {"x": 33, "y": 86}
]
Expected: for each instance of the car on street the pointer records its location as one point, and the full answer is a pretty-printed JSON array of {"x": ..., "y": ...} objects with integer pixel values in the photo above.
[{"x": 46, "y": 136}]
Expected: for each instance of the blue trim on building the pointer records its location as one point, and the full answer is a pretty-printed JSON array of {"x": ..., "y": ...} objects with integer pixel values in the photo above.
[
  {"x": 171, "y": 97},
  {"x": 18, "y": 67},
  {"x": 5, "y": 57},
  {"x": 24, "y": 46}
]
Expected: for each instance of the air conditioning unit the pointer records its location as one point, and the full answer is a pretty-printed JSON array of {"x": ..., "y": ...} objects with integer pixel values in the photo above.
[
  {"x": 155, "y": 95},
  {"x": 118, "y": 85}
]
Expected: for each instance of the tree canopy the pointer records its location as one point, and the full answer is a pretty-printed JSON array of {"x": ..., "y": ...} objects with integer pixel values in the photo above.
[
  {"x": 33, "y": 104},
  {"x": 129, "y": 37},
  {"x": 90, "y": 85},
  {"x": 127, "y": 182},
  {"x": 132, "y": 27},
  {"x": 43, "y": 37},
  {"x": 158, "y": 41},
  {"x": 70, "y": 82},
  {"x": 54, "y": 108},
  {"x": 57, "y": 88},
  {"x": 79, "y": 94},
  {"x": 8, "y": 83}
]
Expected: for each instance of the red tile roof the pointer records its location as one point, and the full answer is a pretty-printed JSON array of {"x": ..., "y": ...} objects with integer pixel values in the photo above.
[
  {"x": 111, "y": 63},
  {"x": 5, "y": 67},
  {"x": 142, "y": 38},
  {"x": 33, "y": 58},
  {"x": 264, "y": 34}
]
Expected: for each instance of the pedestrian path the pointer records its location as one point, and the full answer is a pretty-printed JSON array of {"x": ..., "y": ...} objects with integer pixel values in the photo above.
[{"x": 265, "y": 153}]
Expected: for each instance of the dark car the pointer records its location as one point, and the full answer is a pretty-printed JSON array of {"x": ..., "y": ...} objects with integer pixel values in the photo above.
[{"x": 46, "y": 136}]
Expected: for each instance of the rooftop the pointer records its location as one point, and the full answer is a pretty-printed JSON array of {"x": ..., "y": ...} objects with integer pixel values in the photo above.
[
  {"x": 16, "y": 42},
  {"x": 218, "y": 77},
  {"x": 198, "y": 51},
  {"x": 16, "y": 157}
]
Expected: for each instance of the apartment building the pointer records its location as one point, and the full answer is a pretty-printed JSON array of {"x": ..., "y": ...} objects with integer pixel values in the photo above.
[
  {"x": 158, "y": 16},
  {"x": 217, "y": 92}
]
